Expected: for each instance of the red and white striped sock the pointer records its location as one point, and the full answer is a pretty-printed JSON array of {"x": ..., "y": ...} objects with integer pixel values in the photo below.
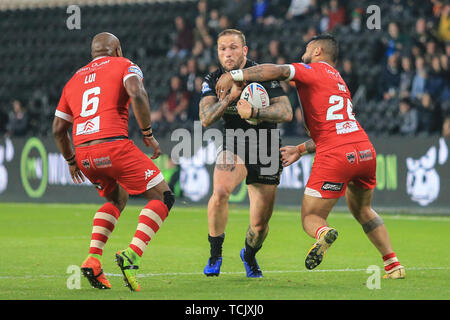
[
  {"x": 150, "y": 220},
  {"x": 104, "y": 222},
  {"x": 320, "y": 230},
  {"x": 391, "y": 262}
]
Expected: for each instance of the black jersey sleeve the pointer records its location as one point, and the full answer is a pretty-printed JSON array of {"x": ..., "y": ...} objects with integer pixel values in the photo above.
[
  {"x": 273, "y": 88},
  {"x": 209, "y": 85}
]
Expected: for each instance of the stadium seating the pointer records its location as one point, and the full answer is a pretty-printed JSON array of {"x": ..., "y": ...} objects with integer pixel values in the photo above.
[{"x": 39, "y": 53}]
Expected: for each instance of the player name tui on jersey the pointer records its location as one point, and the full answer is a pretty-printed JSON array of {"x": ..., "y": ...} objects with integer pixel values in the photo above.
[{"x": 95, "y": 99}]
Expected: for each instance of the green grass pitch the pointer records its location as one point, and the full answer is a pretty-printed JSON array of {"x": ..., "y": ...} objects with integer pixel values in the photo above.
[{"x": 41, "y": 241}]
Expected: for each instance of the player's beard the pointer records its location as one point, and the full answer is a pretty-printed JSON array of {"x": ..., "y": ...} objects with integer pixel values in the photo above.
[
  {"x": 306, "y": 59},
  {"x": 237, "y": 65}
]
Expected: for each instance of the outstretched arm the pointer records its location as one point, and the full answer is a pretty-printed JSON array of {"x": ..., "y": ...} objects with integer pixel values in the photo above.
[
  {"x": 259, "y": 73},
  {"x": 290, "y": 154}
]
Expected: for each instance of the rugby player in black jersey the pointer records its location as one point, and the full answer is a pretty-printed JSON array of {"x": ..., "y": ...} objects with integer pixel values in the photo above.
[{"x": 233, "y": 165}]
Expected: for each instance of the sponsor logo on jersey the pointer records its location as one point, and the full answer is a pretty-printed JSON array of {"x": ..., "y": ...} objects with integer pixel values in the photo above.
[
  {"x": 103, "y": 162},
  {"x": 351, "y": 156},
  {"x": 365, "y": 155},
  {"x": 346, "y": 127},
  {"x": 307, "y": 66},
  {"x": 149, "y": 173},
  {"x": 89, "y": 127},
  {"x": 136, "y": 70},
  {"x": 332, "y": 186},
  {"x": 205, "y": 87},
  {"x": 85, "y": 163}
]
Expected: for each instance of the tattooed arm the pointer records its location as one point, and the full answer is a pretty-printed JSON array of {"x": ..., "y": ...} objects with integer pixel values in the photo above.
[
  {"x": 290, "y": 154},
  {"x": 259, "y": 73},
  {"x": 279, "y": 110},
  {"x": 211, "y": 109}
]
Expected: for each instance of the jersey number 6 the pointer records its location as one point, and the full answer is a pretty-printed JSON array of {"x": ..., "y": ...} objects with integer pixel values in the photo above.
[{"x": 87, "y": 102}]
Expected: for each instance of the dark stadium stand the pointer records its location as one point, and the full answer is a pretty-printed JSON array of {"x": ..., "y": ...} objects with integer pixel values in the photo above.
[{"x": 39, "y": 54}]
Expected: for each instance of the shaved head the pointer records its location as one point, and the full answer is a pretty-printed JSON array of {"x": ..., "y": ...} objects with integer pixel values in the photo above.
[{"x": 105, "y": 44}]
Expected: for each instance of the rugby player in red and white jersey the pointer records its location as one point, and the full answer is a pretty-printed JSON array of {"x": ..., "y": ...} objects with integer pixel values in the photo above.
[
  {"x": 95, "y": 102},
  {"x": 345, "y": 161}
]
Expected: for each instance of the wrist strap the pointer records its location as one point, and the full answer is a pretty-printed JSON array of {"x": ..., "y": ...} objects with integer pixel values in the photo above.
[
  {"x": 71, "y": 158},
  {"x": 146, "y": 129},
  {"x": 237, "y": 75},
  {"x": 148, "y": 135},
  {"x": 302, "y": 149}
]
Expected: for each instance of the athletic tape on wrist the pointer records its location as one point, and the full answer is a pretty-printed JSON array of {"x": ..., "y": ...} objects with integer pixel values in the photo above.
[{"x": 237, "y": 75}]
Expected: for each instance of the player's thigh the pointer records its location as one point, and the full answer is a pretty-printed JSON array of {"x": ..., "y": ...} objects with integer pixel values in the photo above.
[
  {"x": 229, "y": 172},
  {"x": 262, "y": 200},
  {"x": 317, "y": 206},
  {"x": 135, "y": 171}
]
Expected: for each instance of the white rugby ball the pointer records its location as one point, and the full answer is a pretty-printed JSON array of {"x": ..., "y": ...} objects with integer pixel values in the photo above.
[{"x": 257, "y": 96}]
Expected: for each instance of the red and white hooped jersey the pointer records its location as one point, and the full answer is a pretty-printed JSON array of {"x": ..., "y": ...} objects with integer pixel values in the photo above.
[
  {"x": 327, "y": 105},
  {"x": 95, "y": 99}
]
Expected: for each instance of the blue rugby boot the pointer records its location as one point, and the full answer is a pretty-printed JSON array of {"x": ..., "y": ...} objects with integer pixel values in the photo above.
[
  {"x": 212, "y": 268},
  {"x": 251, "y": 267}
]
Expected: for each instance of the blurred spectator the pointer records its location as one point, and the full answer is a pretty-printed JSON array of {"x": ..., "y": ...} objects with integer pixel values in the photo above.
[
  {"x": 336, "y": 15},
  {"x": 349, "y": 76},
  {"x": 394, "y": 41},
  {"x": 18, "y": 120},
  {"x": 418, "y": 84},
  {"x": 391, "y": 77},
  {"x": 298, "y": 8},
  {"x": 174, "y": 108},
  {"x": 444, "y": 24},
  {"x": 324, "y": 22},
  {"x": 3, "y": 121},
  {"x": 275, "y": 51},
  {"x": 203, "y": 56},
  {"x": 428, "y": 113},
  {"x": 406, "y": 75},
  {"x": 201, "y": 32},
  {"x": 202, "y": 7},
  {"x": 408, "y": 118},
  {"x": 193, "y": 109},
  {"x": 421, "y": 35},
  {"x": 183, "y": 39},
  {"x": 238, "y": 10},
  {"x": 213, "y": 22},
  {"x": 224, "y": 23},
  {"x": 355, "y": 23},
  {"x": 445, "y": 132},
  {"x": 191, "y": 74},
  {"x": 430, "y": 51},
  {"x": 435, "y": 79},
  {"x": 259, "y": 10}
]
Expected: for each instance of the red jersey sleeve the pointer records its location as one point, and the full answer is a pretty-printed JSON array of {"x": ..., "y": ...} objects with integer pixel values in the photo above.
[
  {"x": 132, "y": 70},
  {"x": 63, "y": 110},
  {"x": 304, "y": 73}
]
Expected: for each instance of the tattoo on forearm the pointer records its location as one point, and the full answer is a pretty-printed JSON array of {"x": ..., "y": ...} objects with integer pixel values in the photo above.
[
  {"x": 267, "y": 72},
  {"x": 211, "y": 113},
  {"x": 279, "y": 110},
  {"x": 310, "y": 146}
]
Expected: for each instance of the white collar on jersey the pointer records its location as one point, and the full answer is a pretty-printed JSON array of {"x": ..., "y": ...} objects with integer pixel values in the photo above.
[
  {"x": 325, "y": 63},
  {"x": 99, "y": 58}
]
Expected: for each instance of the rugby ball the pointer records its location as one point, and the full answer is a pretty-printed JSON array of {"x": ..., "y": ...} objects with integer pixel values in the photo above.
[{"x": 257, "y": 96}]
